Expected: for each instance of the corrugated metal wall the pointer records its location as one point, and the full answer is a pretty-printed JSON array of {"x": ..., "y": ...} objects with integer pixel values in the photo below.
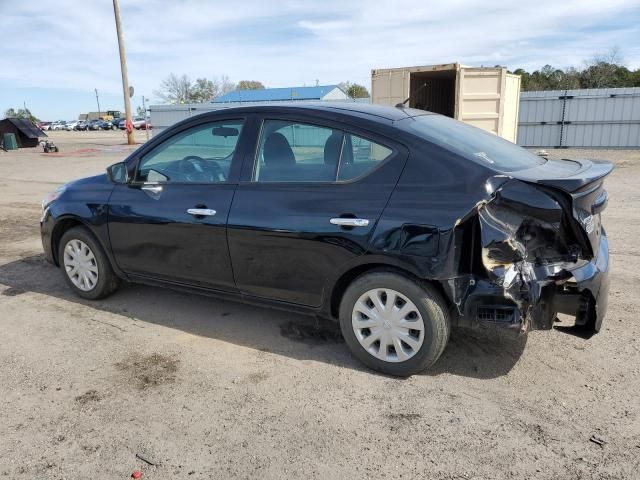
[
  {"x": 163, "y": 116},
  {"x": 602, "y": 117}
]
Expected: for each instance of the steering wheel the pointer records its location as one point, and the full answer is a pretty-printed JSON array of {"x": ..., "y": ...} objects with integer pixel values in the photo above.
[{"x": 197, "y": 169}]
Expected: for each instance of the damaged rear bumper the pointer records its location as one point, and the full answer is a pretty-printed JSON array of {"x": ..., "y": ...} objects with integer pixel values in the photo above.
[
  {"x": 580, "y": 290},
  {"x": 586, "y": 293}
]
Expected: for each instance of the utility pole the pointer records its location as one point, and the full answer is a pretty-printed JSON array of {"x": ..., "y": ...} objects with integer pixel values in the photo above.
[
  {"x": 97, "y": 101},
  {"x": 146, "y": 122},
  {"x": 125, "y": 77}
]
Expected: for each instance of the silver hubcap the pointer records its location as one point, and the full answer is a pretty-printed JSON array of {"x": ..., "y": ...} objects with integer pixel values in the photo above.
[
  {"x": 388, "y": 325},
  {"x": 80, "y": 265}
]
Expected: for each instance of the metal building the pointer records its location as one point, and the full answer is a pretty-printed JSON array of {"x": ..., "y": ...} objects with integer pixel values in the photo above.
[
  {"x": 163, "y": 116},
  {"x": 601, "y": 117},
  {"x": 317, "y": 93}
]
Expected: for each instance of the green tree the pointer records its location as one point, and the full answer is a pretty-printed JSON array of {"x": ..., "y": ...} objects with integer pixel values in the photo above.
[
  {"x": 357, "y": 91},
  {"x": 202, "y": 91},
  {"x": 602, "y": 71},
  {"x": 140, "y": 112},
  {"x": 603, "y": 74},
  {"x": 21, "y": 113},
  {"x": 249, "y": 85},
  {"x": 571, "y": 78},
  {"x": 180, "y": 89}
]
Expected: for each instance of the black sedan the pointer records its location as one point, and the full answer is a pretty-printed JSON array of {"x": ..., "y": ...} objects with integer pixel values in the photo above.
[{"x": 397, "y": 223}]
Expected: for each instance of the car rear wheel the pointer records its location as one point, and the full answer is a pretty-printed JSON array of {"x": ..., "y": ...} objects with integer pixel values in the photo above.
[
  {"x": 85, "y": 266},
  {"x": 394, "y": 324}
]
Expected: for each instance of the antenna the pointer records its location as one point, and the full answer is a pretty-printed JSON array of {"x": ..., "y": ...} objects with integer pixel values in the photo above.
[{"x": 402, "y": 104}]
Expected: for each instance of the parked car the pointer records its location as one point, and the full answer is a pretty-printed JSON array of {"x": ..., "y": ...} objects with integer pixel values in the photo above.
[
  {"x": 81, "y": 125},
  {"x": 107, "y": 125},
  {"x": 71, "y": 125},
  {"x": 96, "y": 124},
  {"x": 140, "y": 123},
  {"x": 44, "y": 125},
  {"x": 58, "y": 125},
  {"x": 397, "y": 223}
]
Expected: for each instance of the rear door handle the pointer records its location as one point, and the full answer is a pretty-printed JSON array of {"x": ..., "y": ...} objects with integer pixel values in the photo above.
[
  {"x": 201, "y": 212},
  {"x": 350, "y": 222}
]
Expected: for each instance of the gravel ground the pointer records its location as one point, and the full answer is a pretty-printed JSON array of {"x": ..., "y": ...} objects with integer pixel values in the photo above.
[{"x": 203, "y": 388}]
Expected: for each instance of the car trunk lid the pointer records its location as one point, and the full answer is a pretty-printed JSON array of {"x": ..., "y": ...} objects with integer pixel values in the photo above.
[{"x": 582, "y": 181}]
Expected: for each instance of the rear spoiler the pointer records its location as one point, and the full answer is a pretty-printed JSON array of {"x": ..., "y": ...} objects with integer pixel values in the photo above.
[{"x": 590, "y": 171}]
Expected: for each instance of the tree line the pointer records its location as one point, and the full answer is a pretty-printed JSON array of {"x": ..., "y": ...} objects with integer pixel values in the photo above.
[
  {"x": 182, "y": 89},
  {"x": 602, "y": 71},
  {"x": 20, "y": 113}
]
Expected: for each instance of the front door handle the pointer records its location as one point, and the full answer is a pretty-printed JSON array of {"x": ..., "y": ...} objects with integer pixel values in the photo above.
[
  {"x": 350, "y": 222},
  {"x": 152, "y": 188},
  {"x": 201, "y": 212}
]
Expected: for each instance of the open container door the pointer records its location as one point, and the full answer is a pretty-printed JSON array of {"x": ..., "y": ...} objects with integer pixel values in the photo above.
[
  {"x": 480, "y": 97},
  {"x": 435, "y": 90}
]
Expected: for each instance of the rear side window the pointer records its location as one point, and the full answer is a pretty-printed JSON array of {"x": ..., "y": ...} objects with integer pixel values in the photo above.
[
  {"x": 472, "y": 143},
  {"x": 360, "y": 156},
  {"x": 297, "y": 152}
]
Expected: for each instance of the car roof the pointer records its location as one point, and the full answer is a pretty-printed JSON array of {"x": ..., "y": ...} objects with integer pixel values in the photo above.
[{"x": 362, "y": 110}]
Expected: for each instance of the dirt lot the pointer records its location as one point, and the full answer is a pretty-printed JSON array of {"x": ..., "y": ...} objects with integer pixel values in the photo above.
[{"x": 209, "y": 389}]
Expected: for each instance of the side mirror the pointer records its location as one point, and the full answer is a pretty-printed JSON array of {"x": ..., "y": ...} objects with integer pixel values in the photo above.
[{"x": 118, "y": 173}]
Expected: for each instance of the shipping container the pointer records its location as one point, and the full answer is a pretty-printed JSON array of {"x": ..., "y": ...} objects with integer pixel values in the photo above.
[{"x": 485, "y": 97}]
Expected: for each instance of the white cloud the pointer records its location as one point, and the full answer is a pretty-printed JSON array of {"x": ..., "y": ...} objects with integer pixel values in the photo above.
[{"x": 291, "y": 43}]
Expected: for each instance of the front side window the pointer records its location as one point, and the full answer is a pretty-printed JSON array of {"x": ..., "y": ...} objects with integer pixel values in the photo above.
[
  {"x": 201, "y": 154},
  {"x": 297, "y": 152}
]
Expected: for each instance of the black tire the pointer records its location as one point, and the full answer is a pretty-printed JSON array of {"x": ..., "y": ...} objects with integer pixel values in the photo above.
[
  {"x": 431, "y": 306},
  {"x": 108, "y": 281}
]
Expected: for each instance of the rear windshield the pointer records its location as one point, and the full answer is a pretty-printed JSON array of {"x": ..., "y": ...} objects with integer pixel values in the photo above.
[{"x": 472, "y": 143}]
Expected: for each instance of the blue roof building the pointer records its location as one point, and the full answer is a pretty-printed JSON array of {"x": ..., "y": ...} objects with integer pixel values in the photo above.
[{"x": 318, "y": 93}]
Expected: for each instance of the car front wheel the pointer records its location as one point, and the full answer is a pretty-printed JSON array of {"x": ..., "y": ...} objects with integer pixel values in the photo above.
[
  {"x": 394, "y": 324},
  {"x": 85, "y": 266}
]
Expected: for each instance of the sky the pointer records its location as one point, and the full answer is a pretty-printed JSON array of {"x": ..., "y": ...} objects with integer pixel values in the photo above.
[{"x": 55, "y": 53}]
